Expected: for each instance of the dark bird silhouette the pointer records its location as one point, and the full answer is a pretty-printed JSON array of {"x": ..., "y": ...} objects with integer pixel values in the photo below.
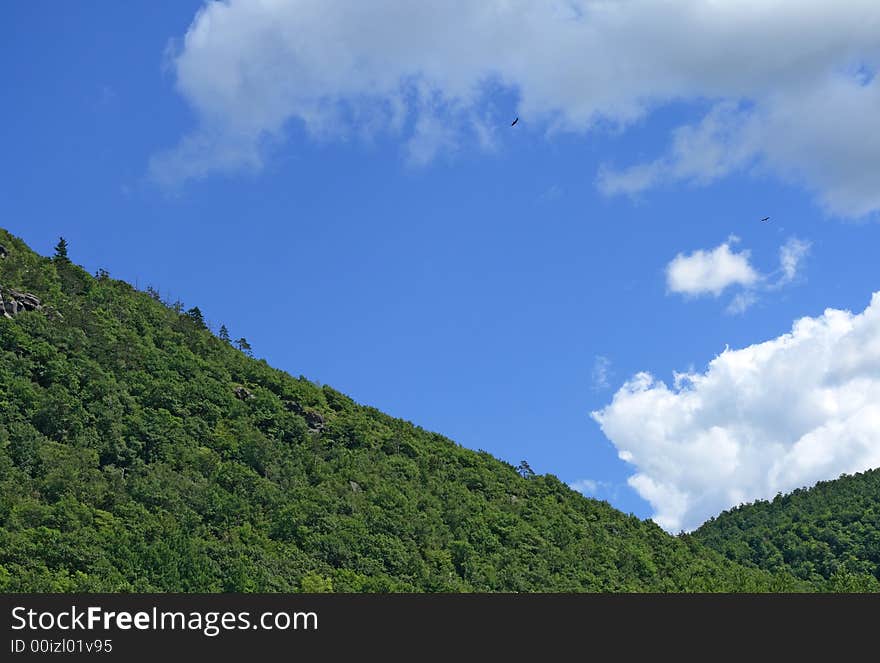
[
  {"x": 514, "y": 122},
  {"x": 765, "y": 219}
]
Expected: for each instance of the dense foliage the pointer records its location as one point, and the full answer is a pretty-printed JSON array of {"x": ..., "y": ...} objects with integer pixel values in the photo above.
[
  {"x": 139, "y": 452},
  {"x": 828, "y": 534}
]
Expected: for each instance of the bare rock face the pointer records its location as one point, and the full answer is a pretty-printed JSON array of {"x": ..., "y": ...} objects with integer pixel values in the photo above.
[
  {"x": 13, "y": 302},
  {"x": 314, "y": 420},
  {"x": 243, "y": 394}
]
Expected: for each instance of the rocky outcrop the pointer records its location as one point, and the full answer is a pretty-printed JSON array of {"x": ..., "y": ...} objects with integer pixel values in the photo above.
[
  {"x": 314, "y": 420},
  {"x": 13, "y": 302},
  {"x": 242, "y": 394}
]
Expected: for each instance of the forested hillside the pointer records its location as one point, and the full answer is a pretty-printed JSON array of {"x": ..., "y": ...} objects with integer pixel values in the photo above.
[
  {"x": 141, "y": 452},
  {"x": 828, "y": 535}
]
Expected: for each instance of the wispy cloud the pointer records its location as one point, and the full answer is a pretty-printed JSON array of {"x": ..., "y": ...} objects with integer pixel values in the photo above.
[
  {"x": 588, "y": 487},
  {"x": 791, "y": 259},
  {"x": 601, "y": 372}
]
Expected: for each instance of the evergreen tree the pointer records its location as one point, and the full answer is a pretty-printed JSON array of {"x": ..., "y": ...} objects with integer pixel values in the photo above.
[
  {"x": 525, "y": 470},
  {"x": 223, "y": 334},
  {"x": 243, "y": 345},
  {"x": 195, "y": 314},
  {"x": 61, "y": 250}
]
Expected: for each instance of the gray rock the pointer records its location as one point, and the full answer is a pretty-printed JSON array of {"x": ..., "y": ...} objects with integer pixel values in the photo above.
[
  {"x": 25, "y": 300},
  {"x": 14, "y": 302},
  {"x": 242, "y": 394},
  {"x": 355, "y": 486},
  {"x": 314, "y": 420}
]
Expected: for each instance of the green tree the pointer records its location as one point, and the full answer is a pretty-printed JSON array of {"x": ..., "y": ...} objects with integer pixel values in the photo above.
[
  {"x": 243, "y": 345},
  {"x": 827, "y": 534},
  {"x": 223, "y": 334},
  {"x": 61, "y": 250},
  {"x": 315, "y": 583},
  {"x": 137, "y": 454},
  {"x": 195, "y": 314},
  {"x": 525, "y": 470}
]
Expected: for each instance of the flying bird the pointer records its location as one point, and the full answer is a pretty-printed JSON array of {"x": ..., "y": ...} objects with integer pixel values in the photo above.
[
  {"x": 765, "y": 219},
  {"x": 514, "y": 122}
]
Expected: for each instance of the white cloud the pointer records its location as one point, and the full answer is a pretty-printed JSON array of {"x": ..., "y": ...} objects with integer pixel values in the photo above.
[
  {"x": 789, "y": 82},
  {"x": 712, "y": 149},
  {"x": 431, "y": 136},
  {"x": 791, "y": 258},
  {"x": 710, "y": 272},
  {"x": 601, "y": 372},
  {"x": 815, "y": 132},
  {"x": 770, "y": 417},
  {"x": 741, "y": 302},
  {"x": 629, "y": 181}
]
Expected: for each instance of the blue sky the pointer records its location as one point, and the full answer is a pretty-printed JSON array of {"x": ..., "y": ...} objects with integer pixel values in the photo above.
[{"x": 398, "y": 240}]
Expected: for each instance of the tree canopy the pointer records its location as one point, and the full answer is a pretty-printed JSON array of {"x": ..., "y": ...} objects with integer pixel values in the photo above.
[
  {"x": 139, "y": 452},
  {"x": 828, "y": 535}
]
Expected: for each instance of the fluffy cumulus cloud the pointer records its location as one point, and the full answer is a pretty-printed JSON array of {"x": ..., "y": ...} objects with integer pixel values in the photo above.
[
  {"x": 770, "y": 417},
  {"x": 790, "y": 84},
  {"x": 711, "y": 272}
]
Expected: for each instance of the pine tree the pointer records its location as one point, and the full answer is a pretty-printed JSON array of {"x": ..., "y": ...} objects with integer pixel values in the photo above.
[
  {"x": 244, "y": 346},
  {"x": 525, "y": 470},
  {"x": 61, "y": 250},
  {"x": 223, "y": 334},
  {"x": 195, "y": 314}
]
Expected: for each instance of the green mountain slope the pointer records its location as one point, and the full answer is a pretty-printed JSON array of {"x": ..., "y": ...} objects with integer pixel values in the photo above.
[
  {"x": 139, "y": 452},
  {"x": 828, "y": 535}
]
